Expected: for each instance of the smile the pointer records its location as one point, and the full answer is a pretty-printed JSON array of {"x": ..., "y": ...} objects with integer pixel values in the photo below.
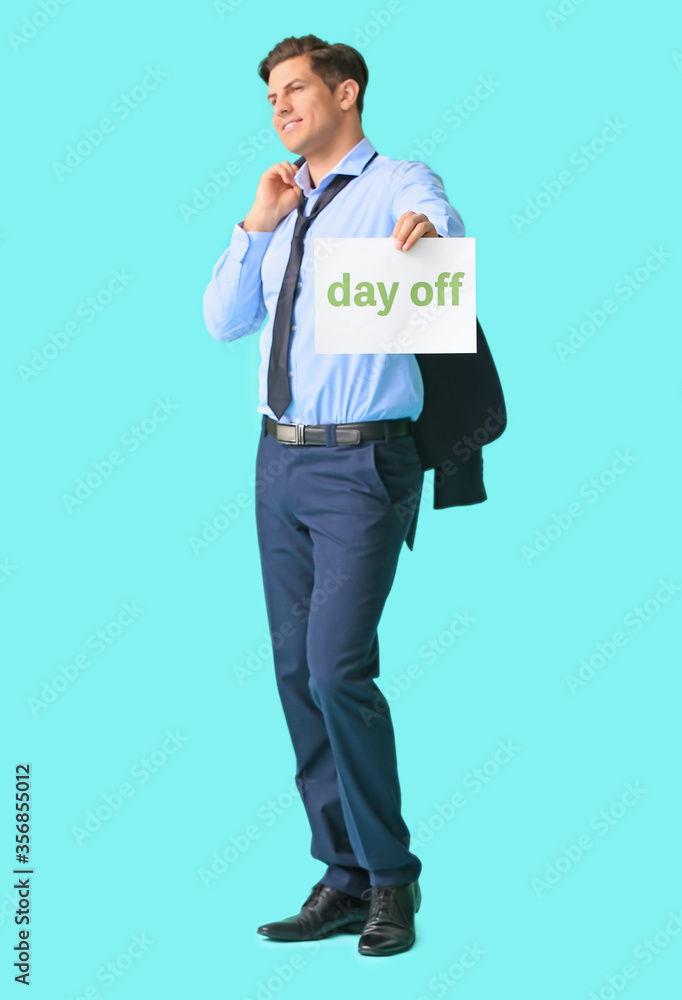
[{"x": 290, "y": 125}]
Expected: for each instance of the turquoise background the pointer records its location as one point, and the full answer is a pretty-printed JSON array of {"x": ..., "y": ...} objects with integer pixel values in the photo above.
[{"x": 174, "y": 667}]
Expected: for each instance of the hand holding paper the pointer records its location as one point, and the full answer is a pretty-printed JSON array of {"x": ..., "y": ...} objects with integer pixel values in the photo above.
[
  {"x": 410, "y": 227},
  {"x": 370, "y": 300}
]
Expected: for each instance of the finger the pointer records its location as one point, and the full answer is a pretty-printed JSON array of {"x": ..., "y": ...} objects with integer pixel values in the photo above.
[
  {"x": 412, "y": 230},
  {"x": 286, "y": 172},
  {"x": 292, "y": 170},
  {"x": 286, "y": 169},
  {"x": 399, "y": 223},
  {"x": 407, "y": 225}
]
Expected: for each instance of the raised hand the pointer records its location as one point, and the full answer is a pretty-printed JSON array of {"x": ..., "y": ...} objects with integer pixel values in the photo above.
[{"x": 276, "y": 195}]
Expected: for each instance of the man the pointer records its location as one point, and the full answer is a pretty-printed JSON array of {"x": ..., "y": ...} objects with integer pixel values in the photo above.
[{"x": 337, "y": 441}]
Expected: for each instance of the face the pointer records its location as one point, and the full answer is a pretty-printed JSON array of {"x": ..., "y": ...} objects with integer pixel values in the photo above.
[{"x": 301, "y": 97}]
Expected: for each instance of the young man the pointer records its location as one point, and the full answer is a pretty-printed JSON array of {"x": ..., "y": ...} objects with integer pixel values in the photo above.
[{"x": 336, "y": 439}]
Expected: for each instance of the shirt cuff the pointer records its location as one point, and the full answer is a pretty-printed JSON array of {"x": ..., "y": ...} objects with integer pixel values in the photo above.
[
  {"x": 446, "y": 226},
  {"x": 242, "y": 241}
]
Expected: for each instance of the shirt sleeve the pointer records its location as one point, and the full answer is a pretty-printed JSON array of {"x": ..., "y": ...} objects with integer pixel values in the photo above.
[
  {"x": 414, "y": 187},
  {"x": 233, "y": 301}
]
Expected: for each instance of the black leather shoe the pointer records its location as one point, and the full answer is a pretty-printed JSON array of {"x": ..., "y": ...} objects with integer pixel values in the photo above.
[
  {"x": 326, "y": 911},
  {"x": 390, "y": 925}
]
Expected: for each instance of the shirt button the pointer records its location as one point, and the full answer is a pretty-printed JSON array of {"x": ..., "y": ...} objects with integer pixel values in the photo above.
[
  {"x": 293, "y": 326},
  {"x": 299, "y": 284},
  {"x": 291, "y": 373}
]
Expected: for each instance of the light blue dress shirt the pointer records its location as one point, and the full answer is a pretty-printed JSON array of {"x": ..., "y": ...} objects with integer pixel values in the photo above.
[{"x": 246, "y": 281}]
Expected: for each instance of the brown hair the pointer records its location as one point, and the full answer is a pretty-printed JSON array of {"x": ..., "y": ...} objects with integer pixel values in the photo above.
[{"x": 332, "y": 63}]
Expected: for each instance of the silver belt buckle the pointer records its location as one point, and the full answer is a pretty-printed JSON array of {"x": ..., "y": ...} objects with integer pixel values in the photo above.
[{"x": 299, "y": 434}]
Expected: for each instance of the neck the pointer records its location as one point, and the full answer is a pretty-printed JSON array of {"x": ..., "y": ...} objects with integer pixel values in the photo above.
[{"x": 321, "y": 161}]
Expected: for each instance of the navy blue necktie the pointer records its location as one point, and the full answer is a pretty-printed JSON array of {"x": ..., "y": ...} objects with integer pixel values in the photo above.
[{"x": 279, "y": 390}]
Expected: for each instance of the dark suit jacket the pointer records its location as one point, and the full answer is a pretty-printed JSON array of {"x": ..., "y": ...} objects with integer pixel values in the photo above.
[{"x": 464, "y": 409}]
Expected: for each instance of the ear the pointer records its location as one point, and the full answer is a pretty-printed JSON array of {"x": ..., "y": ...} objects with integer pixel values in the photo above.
[{"x": 349, "y": 90}]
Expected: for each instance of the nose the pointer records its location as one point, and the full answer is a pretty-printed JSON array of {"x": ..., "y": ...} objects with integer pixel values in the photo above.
[{"x": 282, "y": 107}]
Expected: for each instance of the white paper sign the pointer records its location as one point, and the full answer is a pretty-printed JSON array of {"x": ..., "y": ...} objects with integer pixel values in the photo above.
[{"x": 371, "y": 298}]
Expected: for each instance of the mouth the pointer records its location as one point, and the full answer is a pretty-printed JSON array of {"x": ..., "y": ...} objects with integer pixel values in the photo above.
[{"x": 288, "y": 126}]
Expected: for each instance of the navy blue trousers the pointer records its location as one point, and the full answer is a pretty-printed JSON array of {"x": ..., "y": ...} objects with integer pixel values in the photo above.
[{"x": 331, "y": 523}]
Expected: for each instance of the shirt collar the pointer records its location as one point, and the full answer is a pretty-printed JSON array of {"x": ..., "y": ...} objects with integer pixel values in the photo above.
[{"x": 352, "y": 163}]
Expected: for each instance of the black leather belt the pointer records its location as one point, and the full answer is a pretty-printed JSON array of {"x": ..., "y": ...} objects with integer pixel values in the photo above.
[{"x": 367, "y": 430}]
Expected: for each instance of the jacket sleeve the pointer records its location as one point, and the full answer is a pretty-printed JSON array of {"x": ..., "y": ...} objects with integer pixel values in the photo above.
[
  {"x": 414, "y": 187},
  {"x": 233, "y": 301}
]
